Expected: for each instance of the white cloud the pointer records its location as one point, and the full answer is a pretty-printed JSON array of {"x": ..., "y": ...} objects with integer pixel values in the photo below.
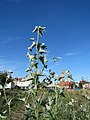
[
  {"x": 9, "y": 39},
  {"x": 71, "y": 53}
]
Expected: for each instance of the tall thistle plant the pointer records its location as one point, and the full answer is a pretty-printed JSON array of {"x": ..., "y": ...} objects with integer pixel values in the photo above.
[
  {"x": 45, "y": 107},
  {"x": 51, "y": 112},
  {"x": 5, "y": 78},
  {"x": 36, "y": 55},
  {"x": 54, "y": 93}
]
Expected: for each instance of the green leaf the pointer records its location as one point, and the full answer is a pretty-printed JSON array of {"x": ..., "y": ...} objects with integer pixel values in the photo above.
[
  {"x": 3, "y": 117},
  {"x": 48, "y": 107},
  {"x": 9, "y": 102},
  {"x": 22, "y": 99},
  {"x": 32, "y": 46}
]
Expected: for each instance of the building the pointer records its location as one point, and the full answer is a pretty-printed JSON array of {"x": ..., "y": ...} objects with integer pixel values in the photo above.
[
  {"x": 22, "y": 83},
  {"x": 86, "y": 86},
  {"x": 66, "y": 84}
]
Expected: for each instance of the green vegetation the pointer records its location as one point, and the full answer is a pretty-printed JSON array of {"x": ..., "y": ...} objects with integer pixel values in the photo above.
[{"x": 75, "y": 105}]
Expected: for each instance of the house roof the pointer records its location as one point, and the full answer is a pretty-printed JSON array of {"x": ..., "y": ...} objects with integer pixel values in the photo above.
[
  {"x": 19, "y": 79},
  {"x": 66, "y": 83}
]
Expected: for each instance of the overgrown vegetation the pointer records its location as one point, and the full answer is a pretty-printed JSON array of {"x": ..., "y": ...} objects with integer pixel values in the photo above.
[{"x": 39, "y": 102}]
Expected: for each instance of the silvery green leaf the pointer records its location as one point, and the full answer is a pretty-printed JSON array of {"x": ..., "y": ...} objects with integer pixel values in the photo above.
[
  {"x": 28, "y": 69},
  {"x": 31, "y": 39},
  {"x": 50, "y": 100},
  {"x": 59, "y": 77},
  {"x": 70, "y": 103},
  {"x": 72, "y": 100},
  {"x": 42, "y": 51},
  {"x": 88, "y": 97},
  {"x": 62, "y": 92},
  {"x": 41, "y": 30},
  {"x": 48, "y": 107},
  {"x": 70, "y": 76},
  {"x": 27, "y": 106},
  {"x": 8, "y": 77},
  {"x": 51, "y": 72},
  {"x": 35, "y": 29},
  {"x": 32, "y": 46},
  {"x": 43, "y": 46},
  {"x": 31, "y": 90},
  {"x": 28, "y": 77},
  {"x": 42, "y": 59},
  {"x": 32, "y": 64},
  {"x": 9, "y": 102},
  {"x": 31, "y": 57},
  {"x": 67, "y": 72},
  {"x": 39, "y": 73},
  {"x": 38, "y": 100},
  {"x": 22, "y": 99},
  {"x": 81, "y": 106},
  {"x": 45, "y": 59},
  {"x": 51, "y": 76},
  {"x": 84, "y": 109},
  {"x": 30, "y": 87},
  {"x": 35, "y": 87},
  {"x": 4, "y": 112},
  {"x": 56, "y": 59},
  {"x": 36, "y": 65},
  {"x": 43, "y": 102},
  {"x": 2, "y": 117}
]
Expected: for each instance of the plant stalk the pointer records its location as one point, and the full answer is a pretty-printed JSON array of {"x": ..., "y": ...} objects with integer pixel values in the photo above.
[
  {"x": 36, "y": 80},
  {"x": 4, "y": 91}
]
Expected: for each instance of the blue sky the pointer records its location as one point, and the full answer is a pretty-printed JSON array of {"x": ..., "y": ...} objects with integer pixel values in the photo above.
[{"x": 67, "y": 34}]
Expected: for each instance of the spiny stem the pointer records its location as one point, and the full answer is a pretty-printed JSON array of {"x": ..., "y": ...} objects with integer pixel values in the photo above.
[
  {"x": 36, "y": 80},
  {"x": 9, "y": 109},
  {"x": 56, "y": 98},
  {"x": 36, "y": 98},
  {"x": 5, "y": 94}
]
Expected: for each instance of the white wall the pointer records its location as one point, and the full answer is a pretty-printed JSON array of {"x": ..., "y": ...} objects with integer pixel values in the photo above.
[{"x": 24, "y": 83}]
